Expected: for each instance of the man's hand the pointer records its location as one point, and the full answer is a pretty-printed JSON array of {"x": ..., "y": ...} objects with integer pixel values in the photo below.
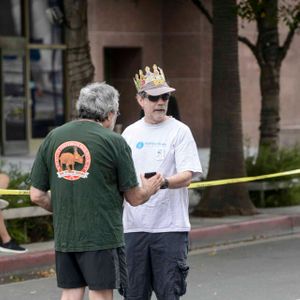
[
  {"x": 152, "y": 184},
  {"x": 139, "y": 195}
]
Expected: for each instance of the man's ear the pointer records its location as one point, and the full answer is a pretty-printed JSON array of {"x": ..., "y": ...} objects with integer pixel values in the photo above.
[
  {"x": 108, "y": 120},
  {"x": 140, "y": 100}
]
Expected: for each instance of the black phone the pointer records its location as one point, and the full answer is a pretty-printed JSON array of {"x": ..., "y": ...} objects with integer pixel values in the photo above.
[{"x": 149, "y": 174}]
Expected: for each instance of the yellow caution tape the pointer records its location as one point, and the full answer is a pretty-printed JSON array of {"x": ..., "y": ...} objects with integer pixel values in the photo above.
[
  {"x": 14, "y": 192},
  {"x": 193, "y": 185}
]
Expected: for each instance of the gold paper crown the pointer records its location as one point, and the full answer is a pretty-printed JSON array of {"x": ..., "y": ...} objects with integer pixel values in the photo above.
[{"x": 157, "y": 77}]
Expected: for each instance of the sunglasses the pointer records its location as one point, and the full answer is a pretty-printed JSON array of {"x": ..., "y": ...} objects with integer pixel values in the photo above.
[{"x": 164, "y": 97}]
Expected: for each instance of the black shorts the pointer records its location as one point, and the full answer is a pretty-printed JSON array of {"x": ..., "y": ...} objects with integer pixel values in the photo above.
[{"x": 99, "y": 270}]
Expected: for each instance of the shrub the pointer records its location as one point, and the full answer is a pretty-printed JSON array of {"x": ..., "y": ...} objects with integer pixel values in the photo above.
[
  {"x": 25, "y": 230},
  {"x": 268, "y": 162}
]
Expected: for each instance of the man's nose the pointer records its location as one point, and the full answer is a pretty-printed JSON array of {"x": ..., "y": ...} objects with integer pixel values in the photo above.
[{"x": 161, "y": 101}]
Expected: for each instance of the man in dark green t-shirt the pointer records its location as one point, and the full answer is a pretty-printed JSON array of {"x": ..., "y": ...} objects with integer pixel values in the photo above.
[{"x": 89, "y": 170}]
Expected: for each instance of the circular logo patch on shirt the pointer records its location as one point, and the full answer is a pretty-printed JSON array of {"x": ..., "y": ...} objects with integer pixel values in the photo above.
[
  {"x": 72, "y": 160},
  {"x": 139, "y": 145}
]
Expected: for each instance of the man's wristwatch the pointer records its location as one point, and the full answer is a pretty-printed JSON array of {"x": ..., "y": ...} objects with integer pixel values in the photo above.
[{"x": 165, "y": 185}]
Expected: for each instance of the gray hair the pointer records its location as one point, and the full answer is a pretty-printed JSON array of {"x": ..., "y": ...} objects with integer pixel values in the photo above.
[
  {"x": 97, "y": 100},
  {"x": 143, "y": 94}
]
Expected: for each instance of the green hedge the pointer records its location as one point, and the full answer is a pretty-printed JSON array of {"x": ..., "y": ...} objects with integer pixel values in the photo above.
[
  {"x": 268, "y": 162},
  {"x": 25, "y": 230}
]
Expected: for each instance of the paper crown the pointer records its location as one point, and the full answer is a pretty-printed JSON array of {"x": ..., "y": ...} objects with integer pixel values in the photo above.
[{"x": 155, "y": 78}]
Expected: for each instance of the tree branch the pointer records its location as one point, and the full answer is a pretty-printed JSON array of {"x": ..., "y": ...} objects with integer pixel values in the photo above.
[
  {"x": 248, "y": 43},
  {"x": 204, "y": 10},
  {"x": 286, "y": 45}
]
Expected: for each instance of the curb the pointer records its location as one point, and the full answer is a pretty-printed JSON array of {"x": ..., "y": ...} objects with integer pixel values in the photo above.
[
  {"x": 27, "y": 262},
  {"x": 244, "y": 231},
  {"x": 198, "y": 238}
]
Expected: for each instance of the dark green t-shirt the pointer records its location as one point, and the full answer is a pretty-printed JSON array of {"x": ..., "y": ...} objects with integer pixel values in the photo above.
[{"x": 86, "y": 167}]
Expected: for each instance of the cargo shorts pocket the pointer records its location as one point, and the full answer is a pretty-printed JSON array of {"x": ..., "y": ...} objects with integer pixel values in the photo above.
[{"x": 180, "y": 282}]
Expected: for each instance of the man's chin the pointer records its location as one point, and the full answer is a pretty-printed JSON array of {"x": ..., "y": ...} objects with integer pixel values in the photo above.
[{"x": 159, "y": 116}]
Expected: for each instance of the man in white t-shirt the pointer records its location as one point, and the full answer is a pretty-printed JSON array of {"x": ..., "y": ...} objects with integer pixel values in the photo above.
[{"x": 156, "y": 233}]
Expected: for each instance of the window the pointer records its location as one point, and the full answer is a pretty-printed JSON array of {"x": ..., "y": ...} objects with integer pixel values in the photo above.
[
  {"x": 10, "y": 18},
  {"x": 14, "y": 97},
  {"x": 46, "y": 90},
  {"x": 42, "y": 29}
]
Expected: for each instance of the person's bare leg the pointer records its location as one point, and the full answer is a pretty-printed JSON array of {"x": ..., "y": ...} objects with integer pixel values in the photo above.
[
  {"x": 4, "y": 181},
  {"x": 5, "y": 237},
  {"x": 72, "y": 294},
  {"x": 101, "y": 295}
]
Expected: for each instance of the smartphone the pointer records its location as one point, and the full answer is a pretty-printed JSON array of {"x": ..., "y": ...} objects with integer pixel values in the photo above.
[{"x": 149, "y": 174}]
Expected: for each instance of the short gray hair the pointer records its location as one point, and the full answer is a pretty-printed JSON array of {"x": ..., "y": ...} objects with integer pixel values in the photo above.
[
  {"x": 143, "y": 94},
  {"x": 97, "y": 100}
]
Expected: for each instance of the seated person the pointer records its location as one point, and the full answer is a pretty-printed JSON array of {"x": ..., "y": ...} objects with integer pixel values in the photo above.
[{"x": 8, "y": 244}]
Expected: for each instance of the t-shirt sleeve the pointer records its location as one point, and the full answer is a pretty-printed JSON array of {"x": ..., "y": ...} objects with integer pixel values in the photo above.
[
  {"x": 39, "y": 176},
  {"x": 186, "y": 153},
  {"x": 126, "y": 173}
]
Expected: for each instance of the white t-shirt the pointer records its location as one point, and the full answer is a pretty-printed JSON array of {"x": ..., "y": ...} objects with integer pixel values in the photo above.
[{"x": 167, "y": 148}]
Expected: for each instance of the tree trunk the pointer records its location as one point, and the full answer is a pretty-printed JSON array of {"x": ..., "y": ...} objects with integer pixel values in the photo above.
[
  {"x": 80, "y": 70},
  {"x": 226, "y": 158},
  {"x": 269, "y": 60},
  {"x": 269, "y": 118}
]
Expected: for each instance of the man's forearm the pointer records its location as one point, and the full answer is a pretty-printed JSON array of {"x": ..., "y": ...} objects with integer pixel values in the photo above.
[
  {"x": 137, "y": 196},
  {"x": 41, "y": 198},
  {"x": 182, "y": 179}
]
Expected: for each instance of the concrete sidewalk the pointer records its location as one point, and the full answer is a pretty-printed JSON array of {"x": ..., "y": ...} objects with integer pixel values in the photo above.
[
  {"x": 270, "y": 222},
  {"x": 206, "y": 232}
]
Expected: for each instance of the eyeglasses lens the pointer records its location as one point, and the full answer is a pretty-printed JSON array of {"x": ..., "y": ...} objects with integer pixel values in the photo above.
[{"x": 164, "y": 97}]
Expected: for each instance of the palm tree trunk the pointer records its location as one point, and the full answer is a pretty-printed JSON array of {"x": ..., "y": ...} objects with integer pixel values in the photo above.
[
  {"x": 226, "y": 159},
  {"x": 80, "y": 70}
]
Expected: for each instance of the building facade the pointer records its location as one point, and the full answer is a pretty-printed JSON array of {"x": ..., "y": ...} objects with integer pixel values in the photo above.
[
  {"x": 125, "y": 36},
  {"x": 32, "y": 90}
]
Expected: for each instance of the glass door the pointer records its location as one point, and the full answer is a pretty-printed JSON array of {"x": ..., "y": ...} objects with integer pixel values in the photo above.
[
  {"x": 13, "y": 97},
  {"x": 46, "y": 69}
]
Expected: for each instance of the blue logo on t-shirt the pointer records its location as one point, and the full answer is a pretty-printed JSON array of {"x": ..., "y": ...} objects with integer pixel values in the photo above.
[{"x": 140, "y": 145}]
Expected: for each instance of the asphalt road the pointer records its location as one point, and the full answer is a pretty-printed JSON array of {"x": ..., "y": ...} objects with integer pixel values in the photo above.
[{"x": 263, "y": 270}]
